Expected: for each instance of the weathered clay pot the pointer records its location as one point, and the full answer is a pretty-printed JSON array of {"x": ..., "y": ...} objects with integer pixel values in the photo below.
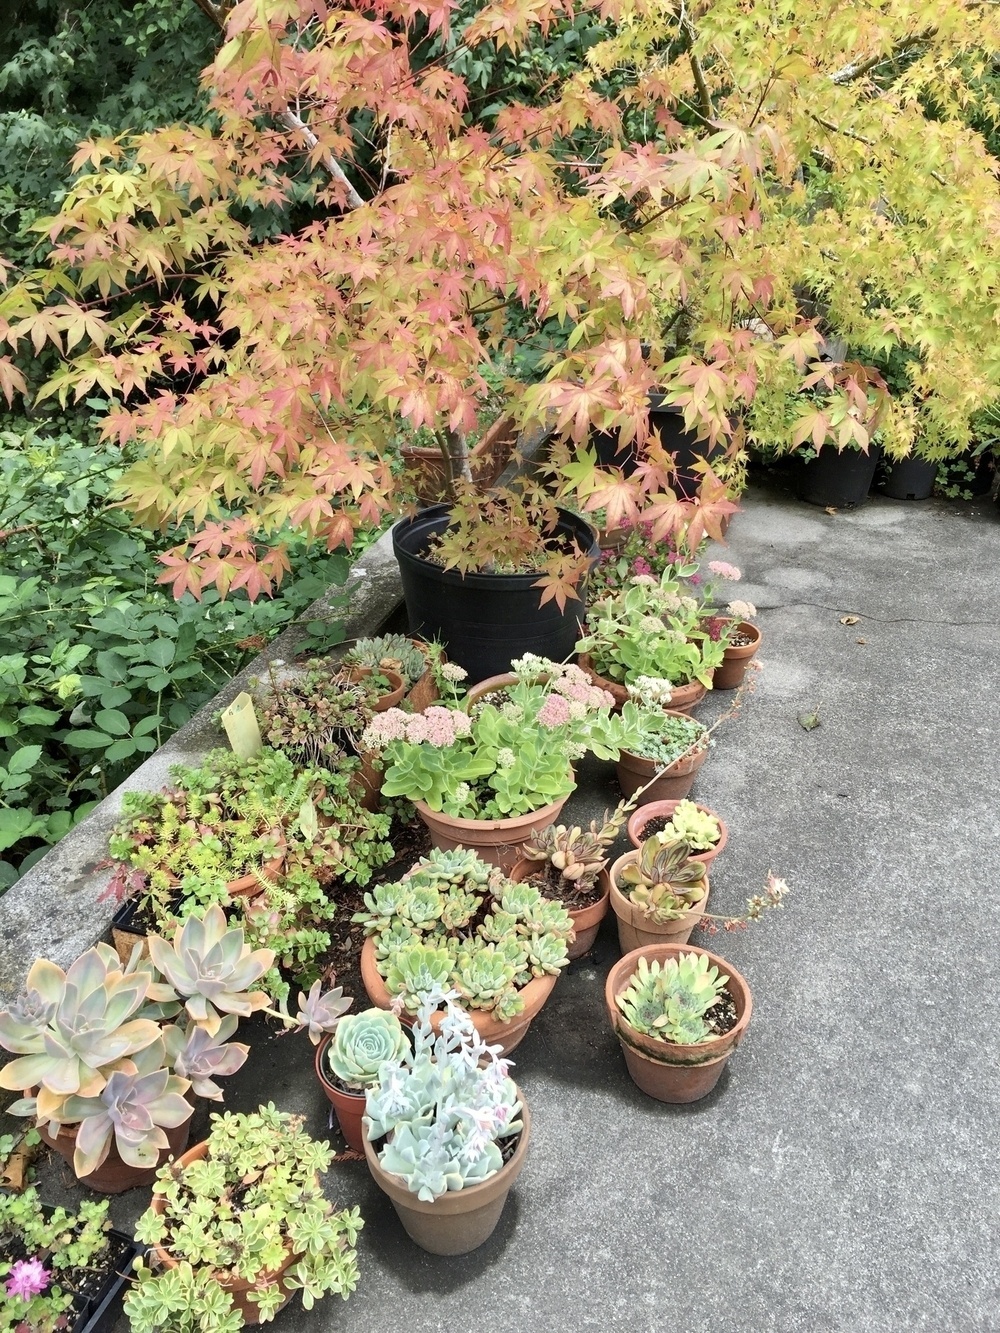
[
  {"x": 114, "y": 1176},
  {"x": 505, "y": 1035},
  {"x": 729, "y": 676},
  {"x": 237, "y": 1287},
  {"x": 491, "y": 685},
  {"x": 673, "y": 782},
  {"x": 497, "y": 841},
  {"x": 424, "y": 691},
  {"x": 652, "y": 809},
  {"x": 635, "y": 929},
  {"x": 384, "y": 701},
  {"x": 663, "y": 1069},
  {"x": 487, "y": 459},
  {"x": 460, "y": 1220},
  {"x": 350, "y": 1106},
  {"x": 586, "y": 920},
  {"x": 683, "y": 698}
]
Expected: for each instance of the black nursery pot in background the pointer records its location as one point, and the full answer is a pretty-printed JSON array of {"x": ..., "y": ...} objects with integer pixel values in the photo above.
[
  {"x": 666, "y": 421},
  {"x": 907, "y": 479},
  {"x": 838, "y": 480},
  {"x": 485, "y": 620}
]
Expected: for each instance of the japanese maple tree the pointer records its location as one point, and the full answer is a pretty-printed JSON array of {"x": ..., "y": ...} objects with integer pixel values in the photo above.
[{"x": 714, "y": 193}]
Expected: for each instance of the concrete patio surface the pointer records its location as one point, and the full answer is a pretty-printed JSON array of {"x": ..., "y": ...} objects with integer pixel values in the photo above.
[{"x": 842, "y": 1178}]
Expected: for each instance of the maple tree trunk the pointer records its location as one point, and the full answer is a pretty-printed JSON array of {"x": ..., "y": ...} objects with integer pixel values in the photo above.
[{"x": 457, "y": 456}]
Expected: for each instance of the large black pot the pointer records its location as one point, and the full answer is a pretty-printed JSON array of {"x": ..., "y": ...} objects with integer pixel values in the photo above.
[
  {"x": 485, "y": 620},
  {"x": 666, "y": 421},
  {"x": 838, "y": 480},
  {"x": 907, "y": 479}
]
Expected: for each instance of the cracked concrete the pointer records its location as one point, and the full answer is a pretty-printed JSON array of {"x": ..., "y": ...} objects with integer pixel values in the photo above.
[{"x": 840, "y": 1179}]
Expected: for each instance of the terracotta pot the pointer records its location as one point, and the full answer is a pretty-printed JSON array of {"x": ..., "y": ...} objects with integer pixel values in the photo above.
[
  {"x": 673, "y": 783},
  {"x": 586, "y": 920},
  {"x": 239, "y": 1288},
  {"x": 635, "y": 929},
  {"x": 652, "y": 809},
  {"x": 350, "y": 1106},
  {"x": 487, "y": 459},
  {"x": 497, "y": 841},
  {"x": 384, "y": 701},
  {"x": 114, "y": 1176},
  {"x": 613, "y": 539},
  {"x": 730, "y": 675},
  {"x": 424, "y": 692},
  {"x": 369, "y": 779},
  {"x": 505, "y": 1035},
  {"x": 663, "y": 1069},
  {"x": 460, "y": 1220},
  {"x": 491, "y": 685},
  {"x": 683, "y": 698}
]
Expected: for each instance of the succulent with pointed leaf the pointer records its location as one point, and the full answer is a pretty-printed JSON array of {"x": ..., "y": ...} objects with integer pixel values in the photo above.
[
  {"x": 320, "y": 1011},
  {"x": 663, "y": 879},
  {"x": 132, "y": 1111},
  {"x": 669, "y": 1000}
]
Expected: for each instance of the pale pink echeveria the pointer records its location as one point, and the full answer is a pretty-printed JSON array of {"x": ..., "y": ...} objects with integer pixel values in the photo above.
[
  {"x": 205, "y": 1056},
  {"x": 320, "y": 1011},
  {"x": 133, "y": 1110}
]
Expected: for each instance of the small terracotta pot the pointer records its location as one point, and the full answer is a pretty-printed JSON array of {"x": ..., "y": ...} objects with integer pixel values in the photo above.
[
  {"x": 635, "y": 929},
  {"x": 729, "y": 676},
  {"x": 350, "y": 1106},
  {"x": 683, "y": 698},
  {"x": 505, "y": 1035},
  {"x": 424, "y": 691},
  {"x": 384, "y": 701},
  {"x": 497, "y": 841},
  {"x": 586, "y": 920},
  {"x": 652, "y": 809},
  {"x": 673, "y": 783},
  {"x": 114, "y": 1176},
  {"x": 459, "y": 1220},
  {"x": 369, "y": 779},
  {"x": 487, "y": 459},
  {"x": 239, "y": 1288},
  {"x": 664, "y": 1069}
]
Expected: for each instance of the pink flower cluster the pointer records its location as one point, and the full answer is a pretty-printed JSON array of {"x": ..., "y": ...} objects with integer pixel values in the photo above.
[
  {"x": 554, "y": 712},
  {"x": 724, "y": 570},
  {"x": 574, "y": 684},
  {"x": 640, "y": 565},
  {"x": 436, "y": 726},
  {"x": 28, "y": 1277}
]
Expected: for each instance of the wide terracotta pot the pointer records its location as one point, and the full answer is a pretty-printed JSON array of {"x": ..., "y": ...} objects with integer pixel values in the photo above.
[
  {"x": 683, "y": 698},
  {"x": 664, "y": 1069},
  {"x": 635, "y": 928},
  {"x": 114, "y": 1176},
  {"x": 652, "y": 809},
  {"x": 507, "y": 1035},
  {"x": 673, "y": 782},
  {"x": 491, "y": 685},
  {"x": 239, "y": 1288},
  {"x": 350, "y": 1106},
  {"x": 729, "y": 676},
  {"x": 497, "y": 841},
  {"x": 385, "y": 701},
  {"x": 586, "y": 920},
  {"x": 460, "y": 1220}
]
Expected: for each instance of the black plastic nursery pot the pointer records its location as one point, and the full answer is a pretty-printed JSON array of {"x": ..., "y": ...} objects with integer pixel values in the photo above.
[
  {"x": 101, "y": 1312},
  {"x": 485, "y": 620},
  {"x": 667, "y": 421},
  {"x": 907, "y": 479},
  {"x": 838, "y": 480}
]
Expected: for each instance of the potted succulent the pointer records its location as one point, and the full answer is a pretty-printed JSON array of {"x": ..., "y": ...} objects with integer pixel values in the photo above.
[
  {"x": 456, "y": 922},
  {"x": 658, "y": 893},
  {"x": 651, "y": 629},
  {"x": 348, "y": 1062},
  {"x": 110, "y": 1056},
  {"x": 246, "y": 1212},
  {"x": 666, "y": 748},
  {"x": 702, "y": 829},
  {"x": 679, "y": 1013},
  {"x": 60, "y": 1270},
  {"x": 490, "y": 777},
  {"x": 569, "y": 865},
  {"x": 415, "y": 662},
  {"x": 494, "y": 577},
  {"x": 313, "y": 715},
  {"x": 455, "y": 1131}
]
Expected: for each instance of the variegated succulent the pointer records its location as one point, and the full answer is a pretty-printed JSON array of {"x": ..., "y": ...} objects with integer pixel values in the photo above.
[
  {"x": 669, "y": 1000},
  {"x": 663, "y": 880},
  {"x": 578, "y": 855}
]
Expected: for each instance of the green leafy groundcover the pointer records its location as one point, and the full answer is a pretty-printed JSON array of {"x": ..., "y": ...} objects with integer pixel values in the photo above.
[{"x": 98, "y": 665}]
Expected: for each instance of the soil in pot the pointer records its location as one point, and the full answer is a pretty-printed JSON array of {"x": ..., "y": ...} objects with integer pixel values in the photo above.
[
  {"x": 460, "y": 1220},
  {"x": 665, "y": 1070},
  {"x": 485, "y": 620},
  {"x": 588, "y": 907}
]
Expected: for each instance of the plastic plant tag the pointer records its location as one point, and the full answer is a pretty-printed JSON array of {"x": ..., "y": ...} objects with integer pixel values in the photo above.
[{"x": 240, "y": 722}]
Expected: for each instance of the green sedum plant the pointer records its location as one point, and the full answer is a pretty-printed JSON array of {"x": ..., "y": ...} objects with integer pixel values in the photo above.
[
  {"x": 238, "y": 1212},
  {"x": 662, "y": 880},
  {"x": 362, "y": 1044},
  {"x": 444, "y": 1106},
  {"x": 669, "y": 1000},
  {"x": 179, "y": 1300},
  {"x": 454, "y": 922}
]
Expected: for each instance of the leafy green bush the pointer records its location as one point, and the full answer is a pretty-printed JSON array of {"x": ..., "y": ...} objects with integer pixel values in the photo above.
[{"x": 99, "y": 664}]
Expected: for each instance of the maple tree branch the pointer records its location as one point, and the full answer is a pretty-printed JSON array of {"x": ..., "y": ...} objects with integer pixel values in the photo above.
[
  {"x": 218, "y": 13},
  {"x": 857, "y": 69},
  {"x": 293, "y": 122},
  {"x": 704, "y": 96}
]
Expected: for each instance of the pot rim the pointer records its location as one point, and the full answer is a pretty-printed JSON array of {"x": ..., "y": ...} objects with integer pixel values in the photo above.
[
  {"x": 640, "y": 817},
  {"x": 491, "y": 825}
]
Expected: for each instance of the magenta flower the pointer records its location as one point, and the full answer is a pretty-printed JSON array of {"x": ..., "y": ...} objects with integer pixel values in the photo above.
[
  {"x": 28, "y": 1277},
  {"x": 640, "y": 565}
]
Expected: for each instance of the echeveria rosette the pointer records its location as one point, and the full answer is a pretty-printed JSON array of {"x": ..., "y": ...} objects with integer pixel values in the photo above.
[
  {"x": 202, "y": 1056},
  {"x": 71, "y": 1028},
  {"x": 320, "y": 1011},
  {"x": 211, "y": 967},
  {"x": 363, "y": 1043},
  {"x": 133, "y": 1110}
]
